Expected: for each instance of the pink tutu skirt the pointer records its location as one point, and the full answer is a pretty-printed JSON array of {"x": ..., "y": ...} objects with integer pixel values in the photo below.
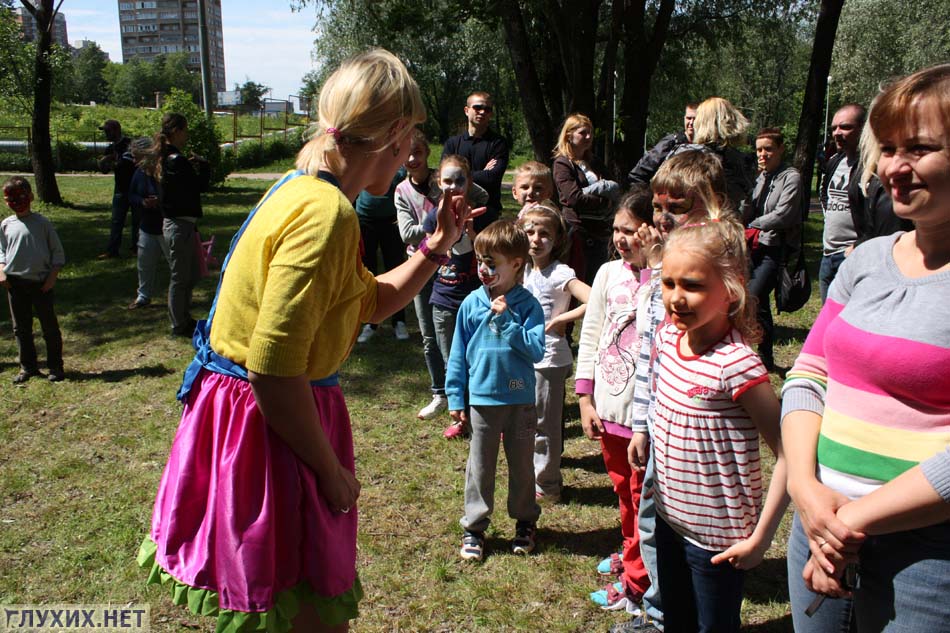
[{"x": 240, "y": 529}]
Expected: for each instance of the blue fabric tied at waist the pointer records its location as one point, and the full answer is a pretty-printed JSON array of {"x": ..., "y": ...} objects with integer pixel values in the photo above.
[{"x": 206, "y": 358}]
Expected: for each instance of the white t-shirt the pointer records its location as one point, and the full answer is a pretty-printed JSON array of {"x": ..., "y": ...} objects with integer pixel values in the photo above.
[
  {"x": 549, "y": 287},
  {"x": 839, "y": 232}
]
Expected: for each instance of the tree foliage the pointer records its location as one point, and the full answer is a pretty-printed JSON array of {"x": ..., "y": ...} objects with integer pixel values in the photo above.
[
  {"x": 88, "y": 75},
  {"x": 135, "y": 82},
  {"x": 881, "y": 39},
  {"x": 203, "y": 137},
  {"x": 252, "y": 94}
]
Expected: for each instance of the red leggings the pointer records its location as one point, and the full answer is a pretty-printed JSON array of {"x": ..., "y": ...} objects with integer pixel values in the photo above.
[{"x": 627, "y": 484}]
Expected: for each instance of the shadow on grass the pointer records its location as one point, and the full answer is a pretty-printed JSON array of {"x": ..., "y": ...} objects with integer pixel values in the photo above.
[
  {"x": 590, "y": 543},
  {"x": 118, "y": 375},
  {"x": 768, "y": 583},
  {"x": 590, "y": 496},
  {"x": 593, "y": 463}
]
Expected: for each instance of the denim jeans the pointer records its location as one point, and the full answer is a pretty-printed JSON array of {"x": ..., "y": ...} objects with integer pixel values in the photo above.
[
  {"x": 120, "y": 208},
  {"x": 24, "y": 297},
  {"x": 699, "y": 596},
  {"x": 827, "y": 271},
  {"x": 430, "y": 347},
  {"x": 646, "y": 522},
  {"x": 382, "y": 234},
  {"x": 765, "y": 263},
  {"x": 834, "y": 616},
  {"x": 180, "y": 236},
  {"x": 152, "y": 249},
  {"x": 905, "y": 582}
]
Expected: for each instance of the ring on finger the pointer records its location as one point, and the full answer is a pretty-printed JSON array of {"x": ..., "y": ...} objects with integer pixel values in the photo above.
[{"x": 344, "y": 510}]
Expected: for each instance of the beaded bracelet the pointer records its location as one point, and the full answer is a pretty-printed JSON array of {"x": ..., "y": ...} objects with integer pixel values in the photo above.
[{"x": 435, "y": 258}]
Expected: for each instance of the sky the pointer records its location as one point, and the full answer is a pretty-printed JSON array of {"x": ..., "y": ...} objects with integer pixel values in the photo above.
[{"x": 263, "y": 40}]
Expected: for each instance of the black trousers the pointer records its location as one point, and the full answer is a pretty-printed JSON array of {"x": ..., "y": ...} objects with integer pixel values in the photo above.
[
  {"x": 25, "y": 297},
  {"x": 382, "y": 234}
]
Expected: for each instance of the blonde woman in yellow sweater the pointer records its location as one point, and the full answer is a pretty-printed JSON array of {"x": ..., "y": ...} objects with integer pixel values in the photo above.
[{"x": 255, "y": 518}]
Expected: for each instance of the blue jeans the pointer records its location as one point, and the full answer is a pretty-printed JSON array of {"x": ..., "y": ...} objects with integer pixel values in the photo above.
[
  {"x": 827, "y": 271},
  {"x": 905, "y": 582},
  {"x": 152, "y": 249},
  {"x": 765, "y": 263},
  {"x": 834, "y": 616},
  {"x": 646, "y": 522},
  {"x": 699, "y": 596},
  {"x": 120, "y": 208},
  {"x": 430, "y": 347}
]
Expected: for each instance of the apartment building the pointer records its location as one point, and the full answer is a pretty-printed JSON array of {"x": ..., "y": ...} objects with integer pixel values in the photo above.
[
  {"x": 156, "y": 27},
  {"x": 28, "y": 24}
]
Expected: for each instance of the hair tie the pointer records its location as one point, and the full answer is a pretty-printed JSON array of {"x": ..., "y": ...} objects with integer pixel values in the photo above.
[{"x": 335, "y": 133}]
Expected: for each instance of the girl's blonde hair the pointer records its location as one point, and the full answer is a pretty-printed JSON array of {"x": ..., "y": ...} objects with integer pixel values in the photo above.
[
  {"x": 694, "y": 173},
  {"x": 718, "y": 122},
  {"x": 720, "y": 240},
  {"x": 545, "y": 211},
  {"x": 571, "y": 123},
  {"x": 368, "y": 100}
]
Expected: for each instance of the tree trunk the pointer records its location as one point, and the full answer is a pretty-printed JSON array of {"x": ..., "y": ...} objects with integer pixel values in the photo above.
[
  {"x": 641, "y": 57},
  {"x": 809, "y": 124},
  {"x": 529, "y": 87},
  {"x": 606, "y": 88},
  {"x": 44, "y": 169}
]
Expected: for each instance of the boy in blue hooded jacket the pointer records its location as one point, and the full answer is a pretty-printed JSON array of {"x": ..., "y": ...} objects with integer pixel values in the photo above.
[{"x": 499, "y": 335}]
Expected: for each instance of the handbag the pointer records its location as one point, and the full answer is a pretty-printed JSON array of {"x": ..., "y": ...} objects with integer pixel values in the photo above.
[{"x": 793, "y": 287}]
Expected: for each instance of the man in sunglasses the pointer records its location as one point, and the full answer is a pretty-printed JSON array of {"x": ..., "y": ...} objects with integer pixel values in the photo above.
[{"x": 486, "y": 151}]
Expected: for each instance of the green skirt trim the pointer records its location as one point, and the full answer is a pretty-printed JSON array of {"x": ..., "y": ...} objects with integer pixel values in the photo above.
[{"x": 279, "y": 619}]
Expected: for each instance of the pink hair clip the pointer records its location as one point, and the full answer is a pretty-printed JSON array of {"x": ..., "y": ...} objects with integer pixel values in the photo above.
[{"x": 335, "y": 133}]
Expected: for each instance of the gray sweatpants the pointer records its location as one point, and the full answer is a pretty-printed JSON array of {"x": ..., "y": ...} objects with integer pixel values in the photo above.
[
  {"x": 518, "y": 423},
  {"x": 549, "y": 396}
]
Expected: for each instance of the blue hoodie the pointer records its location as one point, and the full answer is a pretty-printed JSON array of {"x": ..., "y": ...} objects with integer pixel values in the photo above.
[{"x": 494, "y": 354}]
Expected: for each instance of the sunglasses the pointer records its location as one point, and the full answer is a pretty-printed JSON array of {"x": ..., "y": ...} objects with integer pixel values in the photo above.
[{"x": 478, "y": 107}]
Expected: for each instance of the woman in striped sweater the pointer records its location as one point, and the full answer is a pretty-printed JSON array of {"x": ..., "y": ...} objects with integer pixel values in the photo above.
[{"x": 866, "y": 407}]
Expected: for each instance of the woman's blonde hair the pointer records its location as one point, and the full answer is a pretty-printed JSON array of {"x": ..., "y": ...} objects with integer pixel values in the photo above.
[
  {"x": 694, "y": 173},
  {"x": 869, "y": 152},
  {"x": 720, "y": 240},
  {"x": 545, "y": 211},
  {"x": 368, "y": 100},
  {"x": 571, "y": 123},
  {"x": 900, "y": 104},
  {"x": 718, "y": 122}
]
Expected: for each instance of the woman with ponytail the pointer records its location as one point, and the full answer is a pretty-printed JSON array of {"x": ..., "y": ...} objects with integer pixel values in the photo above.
[
  {"x": 182, "y": 180},
  {"x": 255, "y": 518}
]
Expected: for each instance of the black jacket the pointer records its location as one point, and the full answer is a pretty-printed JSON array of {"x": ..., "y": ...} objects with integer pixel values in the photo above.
[
  {"x": 478, "y": 151},
  {"x": 182, "y": 185},
  {"x": 644, "y": 170}
]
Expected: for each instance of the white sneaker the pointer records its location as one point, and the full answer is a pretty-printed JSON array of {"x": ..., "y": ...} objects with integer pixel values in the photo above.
[
  {"x": 401, "y": 332},
  {"x": 366, "y": 334},
  {"x": 434, "y": 408}
]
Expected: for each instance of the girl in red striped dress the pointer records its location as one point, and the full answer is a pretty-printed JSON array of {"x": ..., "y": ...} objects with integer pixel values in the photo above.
[{"x": 713, "y": 401}]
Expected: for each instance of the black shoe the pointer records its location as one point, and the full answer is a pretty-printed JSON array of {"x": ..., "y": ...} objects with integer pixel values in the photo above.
[
  {"x": 25, "y": 375},
  {"x": 56, "y": 376},
  {"x": 185, "y": 330},
  {"x": 525, "y": 532}
]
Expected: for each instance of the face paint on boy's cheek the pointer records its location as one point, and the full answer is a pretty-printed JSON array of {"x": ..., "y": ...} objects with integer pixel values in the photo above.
[
  {"x": 18, "y": 203},
  {"x": 486, "y": 273}
]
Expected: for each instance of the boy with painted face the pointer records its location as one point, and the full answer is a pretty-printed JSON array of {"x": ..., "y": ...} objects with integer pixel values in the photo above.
[
  {"x": 499, "y": 335},
  {"x": 31, "y": 256},
  {"x": 458, "y": 277}
]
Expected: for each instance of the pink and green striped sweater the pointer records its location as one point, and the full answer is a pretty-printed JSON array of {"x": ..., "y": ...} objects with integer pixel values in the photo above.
[{"x": 876, "y": 367}]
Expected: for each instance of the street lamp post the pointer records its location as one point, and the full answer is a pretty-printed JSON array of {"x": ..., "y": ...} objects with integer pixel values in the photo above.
[{"x": 824, "y": 140}]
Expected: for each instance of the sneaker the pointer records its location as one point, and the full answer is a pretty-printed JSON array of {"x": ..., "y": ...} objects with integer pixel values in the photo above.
[
  {"x": 56, "y": 376},
  {"x": 366, "y": 334},
  {"x": 613, "y": 597},
  {"x": 25, "y": 375},
  {"x": 473, "y": 546},
  {"x": 611, "y": 566},
  {"x": 401, "y": 332},
  {"x": 454, "y": 430},
  {"x": 439, "y": 404},
  {"x": 523, "y": 543},
  {"x": 638, "y": 624}
]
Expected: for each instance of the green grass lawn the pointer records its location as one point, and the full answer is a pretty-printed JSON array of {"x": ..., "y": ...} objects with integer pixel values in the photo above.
[{"x": 81, "y": 461}]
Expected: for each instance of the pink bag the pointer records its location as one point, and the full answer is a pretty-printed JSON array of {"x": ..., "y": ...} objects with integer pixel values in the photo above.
[{"x": 203, "y": 253}]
